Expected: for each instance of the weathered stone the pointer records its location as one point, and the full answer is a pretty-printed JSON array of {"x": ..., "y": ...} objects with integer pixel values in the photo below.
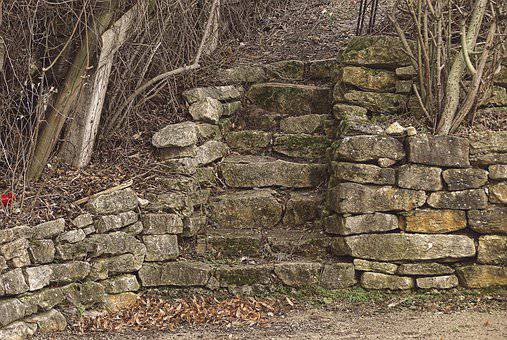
[
  {"x": 71, "y": 251},
  {"x": 83, "y": 220},
  {"x": 223, "y": 93},
  {"x": 104, "y": 267},
  {"x": 492, "y": 250},
  {"x": 71, "y": 236},
  {"x": 304, "y": 243},
  {"x": 404, "y": 86},
  {"x": 431, "y": 268},
  {"x": 378, "y": 51},
  {"x": 117, "y": 302},
  {"x": 18, "y": 330},
  {"x": 301, "y": 145},
  {"x": 11, "y": 234},
  {"x": 158, "y": 224},
  {"x": 428, "y": 221},
  {"x": 248, "y": 141},
  {"x": 372, "y": 266},
  {"x": 498, "y": 193},
  {"x": 17, "y": 248},
  {"x": 234, "y": 243},
  {"x": 206, "y": 132},
  {"x": 290, "y": 98},
  {"x": 323, "y": 69},
  {"x": 177, "y": 152},
  {"x": 461, "y": 179},
  {"x": 161, "y": 247},
  {"x": 489, "y": 147},
  {"x": 369, "y": 79},
  {"x": 449, "y": 151},
  {"x": 400, "y": 247},
  {"x": 211, "y": 151},
  {"x": 193, "y": 224},
  {"x": 363, "y": 173},
  {"x": 20, "y": 261},
  {"x": 206, "y": 110},
  {"x": 240, "y": 275},
  {"x": 437, "y": 282},
  {"x": 383, "y": 281},
  {"x": 395, "y": 129},
  {"x": 176, "y": 135},
  {"x": 386, "y": 162},
  {"x": 13, "y": 282},
  {"x": 389, "y": 103},
  {"x": 107, "y": 223},
  {"x": 246, "y": 209},
  {"x": 39, "y": 277},
  {"x": 182, "y": 274},
  {"x": 343, "y": 110},
  {"x": 304, "y": 124},
  {"x": 10, "y": 311},
  {"x": 128, "y": 218},
  {"x": 133, "y": 229},
  {"x": 491, "y": 221},
  {"x": 205, "y": 177},
  {"x": 302, "y": 208},
  {"x": 359, "y": 224},
  {"x": 406, "y": 72},
  {"x": 115, "y": 243},
  {"x": 49, "y": 322},
  {"x": 242, "y": 74},
  {"x": 42, "y": 251},
  {"x": 462, "y": 200},
  {"x": 113, "y": 203},
  {"x": 298, "y": 274},
  {"x": 232, "y": 108},
  {"x": 249, "y": 172},
  {"x": 498, "y": 171},
  {"x": 285, "y": 70},
  {"x": 338, "y": 276},
  {"x": 358, "y": 198},
  {"x": 352, "y": 126},
  {"x": 48, "y": 229},
  {"x": 121, "y": 284},
  {"x": 368, "y": 148},
  {"x": 482, "y": 276},
  {"x": 419, "y": 177}
]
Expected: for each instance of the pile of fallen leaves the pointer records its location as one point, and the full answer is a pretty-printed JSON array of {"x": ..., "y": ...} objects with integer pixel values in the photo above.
[{"x": 153, "y": 313}]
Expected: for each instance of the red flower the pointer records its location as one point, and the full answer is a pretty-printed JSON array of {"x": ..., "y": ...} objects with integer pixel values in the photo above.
[{"x": 8, "y": 198}]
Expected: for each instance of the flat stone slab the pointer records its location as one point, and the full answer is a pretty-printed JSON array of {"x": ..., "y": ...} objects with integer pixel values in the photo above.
[
  {"x": 384, "y": 281},
  {"x": 429, "y": 221},
  {"x": 409, "y": 247},
  {"x": 450, "y": 151},
  {"x": 180, "y": 274},
  {"x": 368, "y": 148},
  {"x": 491, "y": 221},
  {"x": 488, "y": 148},
  {"x": 482, "y": 276}
]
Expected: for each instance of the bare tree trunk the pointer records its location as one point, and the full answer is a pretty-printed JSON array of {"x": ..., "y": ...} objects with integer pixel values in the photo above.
[
  {"x": 81, "y": 134},
  {"x": 213, "y": 39},
  {"x": 69, "y": 94},
  {"x": 452, "y": 97}
]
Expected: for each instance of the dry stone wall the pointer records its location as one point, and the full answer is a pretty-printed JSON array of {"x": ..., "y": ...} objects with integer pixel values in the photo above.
[{"x": 281, "y": 177}]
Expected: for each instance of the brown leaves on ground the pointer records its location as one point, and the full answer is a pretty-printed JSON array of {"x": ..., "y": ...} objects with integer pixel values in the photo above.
[{"x": 153, "y": 313}]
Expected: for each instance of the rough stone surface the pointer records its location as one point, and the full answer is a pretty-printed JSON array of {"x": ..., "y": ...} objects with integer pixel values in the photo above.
[
  {"x": 181, "y": 274},
  {"x": 104, "y": 267},
  {"x": 249, "y": 172},
  {"x": 71, "y": 236},
  {"x": 461, "y": 179},
  {"x": 389, "y": 103},
  {"x": 211, "y": 151},
  {"x": 384, "y": 281},
  {"x": 291, "y": 99},
  {"x": 223, "y": 93},
  {"x": 437, "y": 282},
  {"x": 498, "y": 171},
  {"x": 285, "y": 70},
  {"x": 304, "y": 124},
  {"x": 360, "y": 224},
  {"x": 247, "y": 209},
  {"x": 462, "y": 200},
  {"x": 419, "y": 177},
  {"x": 482, "y": 276},
  {"x": 10, "y": 311},
  {"x": 117, "y": 302},
  {"x": 498, "y": 193},
  {"x": 49, "y": 322},
  {"x": 176, "y": 135},
  {"x": 42, "y": 251},
  {"x": 343, "y": 110},
  {"x": 491, "y": 221},
  {"x": 302, "y": 208},
  {"x": 489, "y": 148},
  {"x": 323, "y": 68},
  {"x": 48, "y": 229},
  {"x": 368, "y": 148},
  {"x": 206, "y": 110},
  {"x": 399, "y": 247},
  {"x": 83, "y": 220},
  {"x": 369, "y": 79},
  {"x": 406, "y": 72},
  {"x": 107, "y": 223},
  {"x": 338, "y": 276},
  {"x": 17, "y": 248},
  {"x": 240, "y": 275},
  {"x": 301, "y": 145},
  {"x": 13, "y": 282},
  {"x": 298, "y": 274},
  {"x": 449, "y": 151},
  {"x": 243, "y": 74},
  {"x": 373, "y": 266},
  {"x": 378, "y": 51},
  {"x": 358, "y": 198},
  {"x": 428, "y": 221},
  {"x": 428, "y": 268},
  {"x": 248, "y": 141},
  {"x": 492, "y": 250},
  {"x": 121, "y": 284},
  {"x": 158, "y": 224},
  {"x": 161, "y": 247},
  {"x": 113, "y": 203},
  {"x": 363, "y": 173},
  {"x": 230, "y": 243}
]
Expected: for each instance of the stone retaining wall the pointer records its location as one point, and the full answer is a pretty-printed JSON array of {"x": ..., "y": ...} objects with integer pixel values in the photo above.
[{"x": 274, "y": 182}]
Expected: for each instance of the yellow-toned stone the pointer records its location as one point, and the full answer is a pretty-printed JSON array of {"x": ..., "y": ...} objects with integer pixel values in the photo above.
[
  {"x": 434, "y": 221},
  {"x": 117, "y": 302}
]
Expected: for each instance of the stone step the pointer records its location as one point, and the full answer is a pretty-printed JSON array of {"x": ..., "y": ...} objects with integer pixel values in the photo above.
[
  {"x": 277, "y": 245},
  {"x": 291, "y": 99}
]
